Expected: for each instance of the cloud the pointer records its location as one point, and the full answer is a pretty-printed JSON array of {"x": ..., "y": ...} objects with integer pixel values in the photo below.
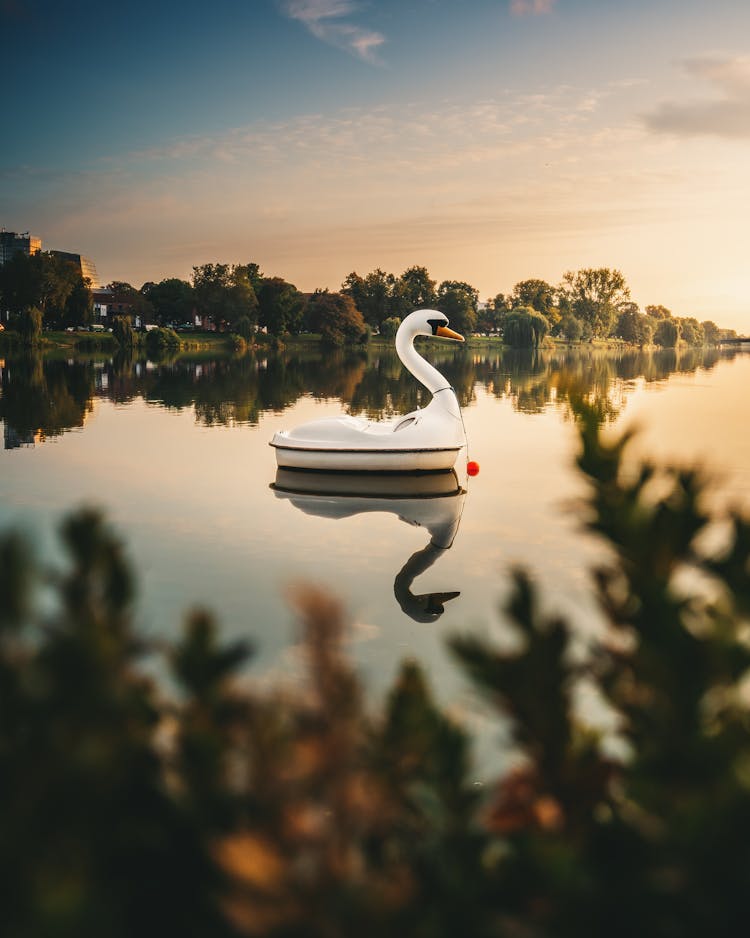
[
  {"x": 724, "y": 115},
  {"x": 531, "y": 7},
  {"x": 330, "y": 21},
  {"x": 388, "y": 141}
]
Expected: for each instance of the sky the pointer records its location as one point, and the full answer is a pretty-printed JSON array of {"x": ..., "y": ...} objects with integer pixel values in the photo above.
[{"x": 488, "y": 140}]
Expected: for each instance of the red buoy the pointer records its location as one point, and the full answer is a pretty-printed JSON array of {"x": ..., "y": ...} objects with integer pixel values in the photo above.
[{"x": 472, "y": 468}]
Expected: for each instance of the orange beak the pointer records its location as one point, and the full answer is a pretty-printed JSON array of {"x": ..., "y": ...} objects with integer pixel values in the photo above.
[{"x": 447, "y": 333}]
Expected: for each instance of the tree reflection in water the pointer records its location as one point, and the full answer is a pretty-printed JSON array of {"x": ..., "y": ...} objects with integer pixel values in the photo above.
[{"x": 42, "y": 397}]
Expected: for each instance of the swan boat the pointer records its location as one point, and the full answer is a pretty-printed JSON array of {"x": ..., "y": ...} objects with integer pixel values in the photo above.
[{"x": 426, "y": 440}]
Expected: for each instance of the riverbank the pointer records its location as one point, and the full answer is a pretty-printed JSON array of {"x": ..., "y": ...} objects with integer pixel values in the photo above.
[{"x": 225, "y": 342}]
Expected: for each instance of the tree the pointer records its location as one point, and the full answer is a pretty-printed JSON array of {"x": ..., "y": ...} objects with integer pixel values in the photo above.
[
  {"x": 224, "y": 294},
  {"x": 20, "y": 285},
  {"x": 389, "y": 327},
  {"x": 280, "y": 306},
  {"x": 691, "y": 331},
  {"x": 336, "y": 318},
  {"x": 172, "y": 299},
  {"x": 354, "y": 286},
  {"x": 491, "y": 316},
  {"x": 125, "y": 294},
  {"x": 525, "y": 328},
  {"x": 667, "y": 333},
  {"x": 79, "y": 308},
  {"x": 594, "y": 294},
  {"x": 658, "y": 312},
  {"x": 414, "y": 289},
  {"x": 458, "y": 300},
  {"x": 539, "y": 295},
  {"x": 244, "y": 328},
  {"x": 711, "y": 332},
  {"x": 58, "y": 279},
  {"x": 254, "y": 275},
  {"x": 122, "y": 330},
  {"x": 161, "y": 341},
  {"x": 632, "y": 327},
  {"x": 373, "y": 295},
  {"x": 29, "y": 325},
  {"x": 570, "y": 328},
  {"x": 47, "y": 282}
]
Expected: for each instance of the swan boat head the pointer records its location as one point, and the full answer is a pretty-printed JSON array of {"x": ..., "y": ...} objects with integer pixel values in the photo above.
[{"x": 426, "y": 440}]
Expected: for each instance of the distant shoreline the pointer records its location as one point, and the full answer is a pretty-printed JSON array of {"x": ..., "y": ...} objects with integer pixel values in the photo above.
[{"x": 83, "y": 342}]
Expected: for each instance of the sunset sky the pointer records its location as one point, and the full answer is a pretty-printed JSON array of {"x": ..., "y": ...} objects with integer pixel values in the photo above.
[{"x": 489, "y": 140}]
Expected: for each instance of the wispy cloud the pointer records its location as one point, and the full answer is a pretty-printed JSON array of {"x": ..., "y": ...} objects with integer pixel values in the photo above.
[
  {"x": 330, "y": 21},
  {"x": 391, "y": 140},
  {"x": 531, "y": 7},
  {"x": 726, "y": 114}
]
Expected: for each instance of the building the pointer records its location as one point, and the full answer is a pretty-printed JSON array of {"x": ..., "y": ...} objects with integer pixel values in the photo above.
[
  {"x": 84, "y": 264},
  {"x": 12, "y": 243}
]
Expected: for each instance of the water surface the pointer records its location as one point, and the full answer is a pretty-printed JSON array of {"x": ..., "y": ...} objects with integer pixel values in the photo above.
[{"x": 177, "y": 456}]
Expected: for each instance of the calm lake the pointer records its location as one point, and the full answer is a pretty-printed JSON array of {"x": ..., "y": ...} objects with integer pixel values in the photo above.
[{"x": 177, "y": 456}]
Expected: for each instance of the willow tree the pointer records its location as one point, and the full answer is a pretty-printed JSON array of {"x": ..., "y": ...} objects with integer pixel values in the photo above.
[{"x": 525, "y": 328}]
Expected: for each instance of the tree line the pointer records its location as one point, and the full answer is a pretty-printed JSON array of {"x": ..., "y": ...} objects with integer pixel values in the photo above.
[{"x": 587, "y": 304}]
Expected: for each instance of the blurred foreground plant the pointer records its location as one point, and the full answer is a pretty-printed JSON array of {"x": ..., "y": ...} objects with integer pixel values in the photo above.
[{"x": 226, "y": 810}]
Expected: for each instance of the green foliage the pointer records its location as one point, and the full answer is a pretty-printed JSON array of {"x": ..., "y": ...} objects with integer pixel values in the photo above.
[
  {"x": 491, "y": 316},
  {"x": 160, "y": 342},
  {"x": 49, "y": 283},
  {"x": 525, "y": 328},
  {"x": 29, "y": 326},
  {"x": 244, "y": 328},
  {"x": 632, "y": 326},
  {"x": 372, "y": 295},
  {"x": 570, "y": 328},
  {"x": 458, "y": 300},
  {"x": 336, "y": 318},
  {"x": 172, "y": 300},
  {"x": 711, "y": 332},
  {"x": 656, "y": 841},
  {"x": 593, "y": 296},
  {"x": 414, "y": 289},
  {"x": 658, "y": 312},
  {"x": 691, "y": 331},
  {"x": 229, "y": 811},
  {"x": 389, "y": 327},
  {"x": 122, "y": 330},
  {"x": 79, "y": 309},
  {"x": 137, "y": 301},
  {"x": 281, "y": 306},
  {"x": 667, "y": 333},
  {"x": 539, "y": 295},
  {"x": 225, "y": 293}
]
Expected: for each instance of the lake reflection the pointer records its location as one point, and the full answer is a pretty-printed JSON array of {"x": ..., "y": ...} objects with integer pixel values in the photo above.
[
  {"x": 433, "y": 501},
  {"x": 176, "y": 454},
  {"x": 44, "y": 397}
]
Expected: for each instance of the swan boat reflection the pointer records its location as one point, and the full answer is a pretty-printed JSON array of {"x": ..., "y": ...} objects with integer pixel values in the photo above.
[{"x": 433, "y": 501}]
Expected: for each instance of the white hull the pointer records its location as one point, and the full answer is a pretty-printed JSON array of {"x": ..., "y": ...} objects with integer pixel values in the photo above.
[{"x": 383, "y": 460}]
